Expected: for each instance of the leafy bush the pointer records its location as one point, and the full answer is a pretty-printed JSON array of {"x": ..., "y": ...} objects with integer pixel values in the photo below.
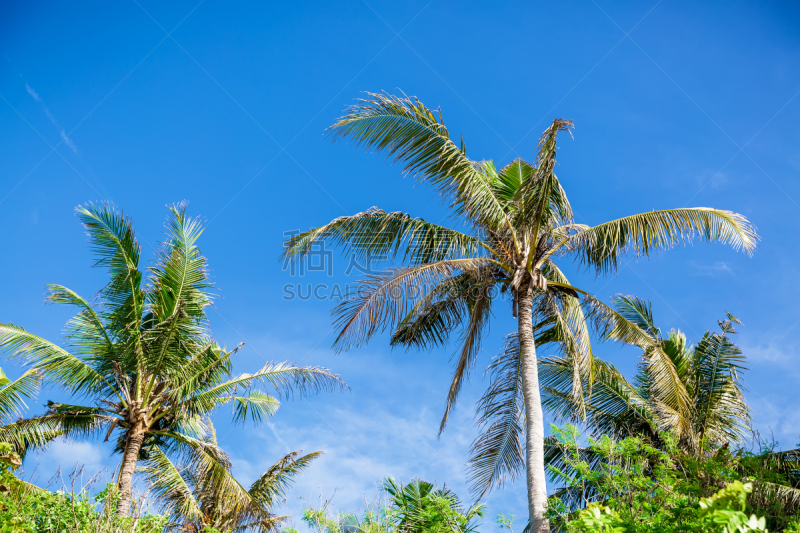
[
  {"x": 726, "y": 509},
  {"x": 418, "y": 507},
  {"x": 25, "y": 508},
  {"x": 632, "y": 486}
]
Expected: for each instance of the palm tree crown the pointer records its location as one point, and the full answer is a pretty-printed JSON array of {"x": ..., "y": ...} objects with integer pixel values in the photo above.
[
  {"x": 199, "y": 493},
  {"x": 143, "y": 353},
  {"x": 692, "y": 391},
  {"x": 520, "y": 223}
]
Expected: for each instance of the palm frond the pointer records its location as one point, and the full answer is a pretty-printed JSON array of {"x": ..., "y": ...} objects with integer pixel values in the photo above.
[
  {"x": 173, "y": 485},
  {"x": 768, "y": 495},
  {"x": 276, "y": 481},
  {"x": 541, "y": 199},
  {"x": 409, "y": 132},
  {"x": 612, "y": 325},
  {"x": 638, "y": 311},
  {"x": 285, "y": 378},
  {"x": 224, "y": 502},
  {"x": 85, "y": 331},
  {"x": 178, "y": 292},
  {"x": 14, "y": 393},
  {"x": 54, "y": 362},
  {"x": 564, "y": 324},
  {"x": 511, "y": 177},
  {"x": 615, "y": 407},
  {"x": 722, "y": 414},
  {"x": 256, "y": 405},
  {"x": 440, "y": 312},
  {"x": 673, "y": 399},
  {"x": 112, "y": 239},
  {"x": 497, "y": 454},
  {"x": 31, "y": 434},
  {"x": 180, "y": 276},
  {"x": 383, "y": 300},
  {"x": 480, "y": 309},
  {"x": 60, "y": 421},
  {"x": 669, "y": 392},
  {"x": 601, "y": 246},
  {"x": 375, "y": 234},
  {"x": 208, "y": 367},
  {"x": 561, "y": 452}
]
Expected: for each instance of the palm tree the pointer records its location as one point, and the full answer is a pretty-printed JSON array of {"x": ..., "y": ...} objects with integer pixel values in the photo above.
[
  {"x": 416, "y": 507},
  {"x": 200, "y": 494},
  {"x": 421, "y": 507},
  {"x": 694, "y": 392},
  {"x": 519, "y": 222},
  {"x": 143, "y": 353}
]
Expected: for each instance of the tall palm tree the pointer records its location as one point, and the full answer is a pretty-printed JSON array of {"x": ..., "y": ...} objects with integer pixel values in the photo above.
[
  {"x": 695, "y": 392},
  {"x": 519, "y": 222},
  {"x": 200, "y": 494},
  {"x": 143, "y": 352}
]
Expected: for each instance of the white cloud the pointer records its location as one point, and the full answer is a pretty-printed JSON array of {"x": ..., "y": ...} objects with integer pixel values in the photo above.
[
  {"x": 776, "y": 419},
  {"x": 64, "y": 137},
  {"x": 33, "y": 93},
  {"x": 778, "y": 347},
  {"x": 717, "y": 269},
  {"x": 89, "y": 460},
  {"x": 360, "y": 449},
  {"x": 68, "y": 141},
  {"x": 712, "y": 180}
]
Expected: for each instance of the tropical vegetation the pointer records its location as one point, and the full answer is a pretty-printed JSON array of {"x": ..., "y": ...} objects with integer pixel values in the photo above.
[
  {"x": 407, "y": 508},
  {"x": 26, "y": 508},
  {"x": 692, "y": 424},
  {"x": 630, "y": 485},
  {"x": 669, "y": 449},
  {"x": 143, "y": 354},
  {"x": 692, "y": 391},
  {"x": 518, "y": 232},
  {"x": 194, "y": 497}
]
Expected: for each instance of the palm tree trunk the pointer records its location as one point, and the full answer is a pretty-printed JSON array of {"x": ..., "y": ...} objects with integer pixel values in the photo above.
[
  {"x": 125, "y": 481},
  {"x": 534, "y": 430}
]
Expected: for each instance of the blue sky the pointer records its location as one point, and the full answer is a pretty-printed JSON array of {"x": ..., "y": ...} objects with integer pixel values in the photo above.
[{"x": 224, "y": 104}]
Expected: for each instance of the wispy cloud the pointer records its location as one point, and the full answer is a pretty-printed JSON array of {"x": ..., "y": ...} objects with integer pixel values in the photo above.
[
  {"x": 68, "y": 456},
  {"x": 61, "y": 131},
  {"x": 717, "y": 269},
  {"x": 360, "y": 449},
  {"x": 712, "y": 180},
  {"x": 776, "y": 419}
]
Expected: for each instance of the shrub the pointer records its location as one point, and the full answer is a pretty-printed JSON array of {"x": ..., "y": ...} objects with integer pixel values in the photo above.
[{"x": 26, "y": 508}]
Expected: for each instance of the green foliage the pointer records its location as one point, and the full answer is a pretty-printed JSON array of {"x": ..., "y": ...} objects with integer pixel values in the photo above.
[
  {"x": 630, "y": 485},
  {"x": 143, "y": 355},
  {"x": 506, "y": 522},
  {"x": 42, "y": 511},
  {"x": 520, "y": 226},
  {"x": 25, "y": 508},
  {"x": 726, "y": 509},
  {"x": 418, "y": 507},
  {"x": 596, "y": 517},
  {"x": 694, "y": 391},
  {"x": 196, "y": 499}
]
